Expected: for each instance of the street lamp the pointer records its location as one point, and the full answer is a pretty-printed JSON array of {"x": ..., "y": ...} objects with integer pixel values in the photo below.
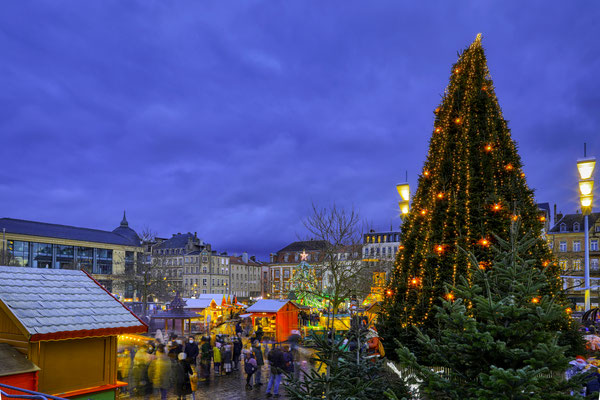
[
  {"x": 404, "y": 192},
  {"x": 586, "y": 167}
]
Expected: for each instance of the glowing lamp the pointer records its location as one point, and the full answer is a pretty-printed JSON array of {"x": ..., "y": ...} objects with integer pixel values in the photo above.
[
  {"x": 488, "y": 148},
  {"x": 404, "y": 207},
  {"x": 425, "y": 173},
  {"x": 450, "y": 296},
  {"x": 586, "y": 201},
  {"x": 496, "y": 207},
  {"x": 437, "y": 110},
  {"x": 439, "y": 248},
  {"x": 414, "y": 281},
  {"x": 403, "y": 190},
  {"x": 535, "y": 300},
  {"x": 515, "y": 218},
  {"x": 586, "y": 187},
  {"x": 457, "y": 70},
  {"x": 542, "y": 218},
  {"x": 545, "y": 263},
  {"x": 440, "y": 195},
  {"x": 508, "y": 167},
  {"x": 569, "y": 310},
  {"x": 423, "y": 212},
  {"x": 457, "y": 120},
  {"x": 388, "y": 292},
  {"x": 481, "y": 265},
  {"x": 484, "y": 242},
  {"x": 438, "y": 129},
  {"x": 586, "y": 166}
]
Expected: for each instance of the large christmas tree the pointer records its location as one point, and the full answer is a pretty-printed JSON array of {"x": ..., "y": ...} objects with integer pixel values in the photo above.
[{"x": 471, "y": 188}]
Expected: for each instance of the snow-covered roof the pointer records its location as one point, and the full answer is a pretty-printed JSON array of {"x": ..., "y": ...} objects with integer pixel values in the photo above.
[
  {"x": 267, "y": 305},
  {"x": 198, "y": 303},
  {"x": 218, "y": 298}
]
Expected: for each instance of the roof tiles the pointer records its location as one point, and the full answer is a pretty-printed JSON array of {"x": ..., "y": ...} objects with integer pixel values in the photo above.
[{"x": 53, "y": 300}]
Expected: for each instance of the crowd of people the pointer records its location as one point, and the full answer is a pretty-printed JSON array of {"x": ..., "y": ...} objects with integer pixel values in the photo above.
[{"x": 157, "y": 369}]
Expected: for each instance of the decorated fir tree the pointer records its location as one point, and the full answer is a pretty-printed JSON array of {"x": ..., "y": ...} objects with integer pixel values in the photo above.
[
  {"x": 472, "y": 186},
  {"x": 501, "y": 333},
  {"x": 305, "y": 286}
]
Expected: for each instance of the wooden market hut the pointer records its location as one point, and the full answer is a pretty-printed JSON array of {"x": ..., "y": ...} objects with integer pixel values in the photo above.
[
  {"x": 282, "y": 317},
  {"x": 16, "y": 370},
  {"x": 67, "y": 324}
]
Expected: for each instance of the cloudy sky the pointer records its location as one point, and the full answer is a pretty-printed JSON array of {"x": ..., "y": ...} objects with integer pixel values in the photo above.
[{"x": 230, "y": 118}]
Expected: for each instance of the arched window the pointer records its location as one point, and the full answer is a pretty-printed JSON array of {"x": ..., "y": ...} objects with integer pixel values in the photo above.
[
  {"x": 576, "y": 227},
  {"x": 563, "y": 227}
]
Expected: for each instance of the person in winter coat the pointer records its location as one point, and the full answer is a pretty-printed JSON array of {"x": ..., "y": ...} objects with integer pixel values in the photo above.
[
  {"x": 205, "y": 358},
  {"x": 194, "y": 381},
  {"x": 159, "y": 372},
  {"x": 191, "y": 350},
  {"x": 277, "y": 365},
  {"x": 226, "y": 359},
  {"x": 139, "y": 373},
  {"x": 123, "y": 365},
  {"x": 288, "y": 360},
  {"x": 237, "y": 351},
  {"x": 217, "y": 358},
  {"x": 260, "y": 361},
  {"x": 250, "y": 367},
  {"x": 182, "y": 372}
]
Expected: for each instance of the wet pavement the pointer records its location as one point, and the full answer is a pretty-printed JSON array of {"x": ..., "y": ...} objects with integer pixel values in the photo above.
[{"x": 227, "y": 387}]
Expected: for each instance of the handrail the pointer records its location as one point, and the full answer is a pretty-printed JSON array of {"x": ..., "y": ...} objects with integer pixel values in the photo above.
[{"x": 31, "y": 394}]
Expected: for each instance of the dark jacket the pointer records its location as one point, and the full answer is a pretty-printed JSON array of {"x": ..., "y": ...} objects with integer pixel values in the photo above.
[
  {"x": 276, "y": 360},
  {"x": 182, "y": 378},
  {"x": 191, "y": 351},
  {"x": 288, "y": 360},
  {"x": 237, "y": 349},
  {"x": 257, "y": 351}
]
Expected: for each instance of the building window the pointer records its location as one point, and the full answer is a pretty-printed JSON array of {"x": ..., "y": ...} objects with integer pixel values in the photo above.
[
  {"x": 576, "y": 265},
  {"x": 106, "y": 283},
  {"x": 204, "y": 259},
  {"x": 562, "y": 246},
  {"x": 85, "y": 258},
  {"x": 104, "y": 261},
  {"x": 20, "y": 252},
  {"x": 204, "y": 282},
  {"x": 576, "y": 227},
  {"x": 286, "y": 273},
  {"x": 42, "y": 255},
  {"x": 563, "y": 265},
  {"x": 276, "y": 274},
  {"x": 286, "y": 258},
  {"x": 594, "y": 245},
  {"x": 594, "y": 264},
  {"x": 64, "y": 257},
  {"x": 129, "y": 263},
  {"x": 563, "y": 227},
  {"x": 576, "y": 245}
]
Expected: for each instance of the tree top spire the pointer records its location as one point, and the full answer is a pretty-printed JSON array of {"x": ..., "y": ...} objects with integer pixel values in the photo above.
[{"x": 477, "y": 41}]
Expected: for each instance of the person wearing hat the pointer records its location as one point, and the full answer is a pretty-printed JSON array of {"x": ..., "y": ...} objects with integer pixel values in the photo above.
[{"x": 205, "y": 358}]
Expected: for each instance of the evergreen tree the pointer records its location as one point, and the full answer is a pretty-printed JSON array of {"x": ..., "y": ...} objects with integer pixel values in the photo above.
[
  {"x": 471, "y": 186},
  {"x": 501, "y": 333},
  {"x": 305, "y": 285}
]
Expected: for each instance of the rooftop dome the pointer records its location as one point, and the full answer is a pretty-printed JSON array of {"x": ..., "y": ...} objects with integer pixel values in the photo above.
[{"x": 128, "y": 233}]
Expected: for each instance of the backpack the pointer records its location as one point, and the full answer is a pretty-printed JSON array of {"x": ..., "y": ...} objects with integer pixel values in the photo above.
[{"x": 249, "y": 368}]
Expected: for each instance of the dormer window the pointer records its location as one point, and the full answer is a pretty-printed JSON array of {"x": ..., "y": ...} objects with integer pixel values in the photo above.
[
  {"x": 563, "y": 227},
  {"x": 576, "y": 227}
]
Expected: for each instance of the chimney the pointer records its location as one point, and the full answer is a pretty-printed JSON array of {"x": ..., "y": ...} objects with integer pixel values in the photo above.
[
  {"x": 253, "y": 258},
  {"x": 555, "y": 220},
  {"x": 195, "y": 235},
  {"x": 559, "y": 216},
  {"x": 272, "y": 255},
  {"x": 245, "y": 257}
]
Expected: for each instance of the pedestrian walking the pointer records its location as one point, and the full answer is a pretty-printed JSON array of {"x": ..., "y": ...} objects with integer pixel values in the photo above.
[
  {"x": 205, "y": 359},
  {"x": 191, "y": 350},
  {"x": 217, "y": 358},
  {"x": 237, "y": 351},
  {"x": 260, "y": 361},
  {"x": 276, "y": 365},
  {"x": 182, "y": 372},
  {"x": 250, "y": 367},
  {"x": 159, "y": 372},
  {"x": 226, "y": 358},
  {"x": 139, "y": 373},
  {"x": 288, "y": 360}
]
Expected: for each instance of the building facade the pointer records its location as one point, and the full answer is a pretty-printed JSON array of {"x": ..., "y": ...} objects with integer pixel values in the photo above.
[
  {"x": 245, "y": 277},
  {"x": 567, "y": 241},
  {"x": 380, "y": 248},
  {"x": 190, "y": 266},
  {"x": 109, "y": 256}
]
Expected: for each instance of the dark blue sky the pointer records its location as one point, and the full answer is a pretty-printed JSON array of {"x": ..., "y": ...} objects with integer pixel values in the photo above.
[{"x": 230, "y": 118}]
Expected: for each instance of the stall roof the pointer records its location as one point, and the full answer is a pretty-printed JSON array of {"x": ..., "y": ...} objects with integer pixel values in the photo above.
[
  {"x": 59, "y": 304},
  {"x": 198, "y": 303},
  {"x": 12, "y": 362},
  {"x": 267, "y": 305},
  {"x": 218, "y": 298}
]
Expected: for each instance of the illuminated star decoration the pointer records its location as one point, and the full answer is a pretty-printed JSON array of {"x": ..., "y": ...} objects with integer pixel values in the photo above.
[{"x": 303, "y": 255}]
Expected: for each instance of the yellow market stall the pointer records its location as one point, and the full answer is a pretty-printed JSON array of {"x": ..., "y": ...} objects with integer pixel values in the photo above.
[{"x": 67, "y": 324}]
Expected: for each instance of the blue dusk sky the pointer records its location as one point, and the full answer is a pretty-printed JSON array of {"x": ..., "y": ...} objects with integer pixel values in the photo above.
[{"x": 230, "y": 118}]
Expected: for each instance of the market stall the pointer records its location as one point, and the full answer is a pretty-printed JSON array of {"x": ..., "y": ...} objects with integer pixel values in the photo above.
[{"x": 277, "y": 318}]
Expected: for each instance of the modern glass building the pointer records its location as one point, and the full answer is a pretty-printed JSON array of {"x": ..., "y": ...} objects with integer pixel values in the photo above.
[{"x": 107, "y": 255}]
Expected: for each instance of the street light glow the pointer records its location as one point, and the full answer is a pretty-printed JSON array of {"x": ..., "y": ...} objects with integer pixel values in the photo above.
[
  {"x": 403, "y": 190},
  {"x": 586, "y": 167},
  {"x": 586, "y": 187}
]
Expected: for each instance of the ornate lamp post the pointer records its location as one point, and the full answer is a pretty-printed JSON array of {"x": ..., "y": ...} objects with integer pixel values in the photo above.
[{"x": 586, "y": 167}]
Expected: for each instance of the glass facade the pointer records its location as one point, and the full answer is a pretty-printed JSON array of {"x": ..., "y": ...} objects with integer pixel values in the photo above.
[
  {"x": 64, "y": 257},
  {"x": 104, "y": 261},
  {"x": 41, "y": 255},
  {"x": 85, "y": 259},
  {"x": 129, "y": 262},
  {"x": 20, "y": 252}
]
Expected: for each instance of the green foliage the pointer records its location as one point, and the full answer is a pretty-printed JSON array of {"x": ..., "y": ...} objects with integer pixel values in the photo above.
[
  {"x": 340, "y": 374},
  {"x": 472, "y": 186},
  {"x": 500, "y": 336},
  {"x": 305, "y": 286}
]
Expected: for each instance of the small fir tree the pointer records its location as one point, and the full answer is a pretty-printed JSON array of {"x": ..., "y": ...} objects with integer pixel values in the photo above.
[
  {"x": 501, "y": 330},
  {"x": 472, "y": 184},
  {"x": 305, "y": 285}
]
